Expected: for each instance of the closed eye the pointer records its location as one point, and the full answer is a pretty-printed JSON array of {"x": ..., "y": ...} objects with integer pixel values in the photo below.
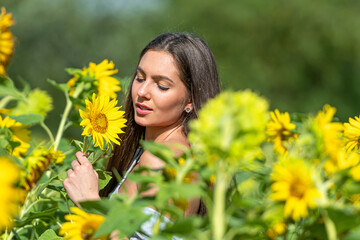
[
  {"x": 162, "y": 88},
  {"x": 139, "y": 79}
]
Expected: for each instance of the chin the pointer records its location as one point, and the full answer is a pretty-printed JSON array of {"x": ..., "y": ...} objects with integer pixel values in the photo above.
[{"x": 139, "y": 122}]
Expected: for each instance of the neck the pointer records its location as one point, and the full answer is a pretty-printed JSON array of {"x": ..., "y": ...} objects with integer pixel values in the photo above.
[{"x": 160, "y": 134}]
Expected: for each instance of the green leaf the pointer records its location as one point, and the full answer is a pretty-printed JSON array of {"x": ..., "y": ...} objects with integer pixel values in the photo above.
[
  {"x": 46, "y": 214},
  {"x": 62, "y": 86},
  {"x": 78, "y": 145},
  {"x": 73, "y": 71},
  {"x": 144, "y": 178},
  {"x": 49, "y": 235},
  {"x": 94, "y": 156},
  {"x": 100, "y": 207},
  {"x": 6, "y": 82},
  {"x": 344, "y": 219},
  {"x": 353, "y": 235},
  {"x": 175, "y": 190},
  {"x": 65, "y": 145},
  {"x": 159, "y": 150},
  {"x": 42, "y": 187},
  {"x": 58, "y": 187},
  {"x": 104, "y": 178},
  {"x": 185, "y": 225},
  {"x": 127, "y": 219},
  {"x": 28, "y": 119},
  {"x": 13, "y": 145},
  {"x": 62, "y": 176},
  {"x": 7, "y": 88}
]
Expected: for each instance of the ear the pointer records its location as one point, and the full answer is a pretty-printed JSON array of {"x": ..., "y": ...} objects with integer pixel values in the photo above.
[{"x": 189, "y": 105}]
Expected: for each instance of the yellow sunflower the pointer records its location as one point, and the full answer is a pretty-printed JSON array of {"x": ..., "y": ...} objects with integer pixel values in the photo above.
[
  {"x": 342, "y": 160},
  {"x": 6, "y": 40},
  {"x": 102, "y": 120},
  {"x": 57, "y": 155},
  {"x": 295, "y": 186},
  {"x": 81, "y": 225},
  {"x": 352, "y": 133},
  {"x": 279, "y": 131},
  {"x": 6, "y": 19},
  {"x": 276, "y": 230},
  {"x": 19, "y": 134},
  {"x": 37, "y": 101},
  {"x": 2, "y": 70},
  {"x": 9, "y": 176},
  {"x": 355, "y": 173},
  {"x": 355, "y": 199},
  {"x": 101, "y": 75},
  {"x": 331, "y": 131},
  {"x": 37, "y": 163}
]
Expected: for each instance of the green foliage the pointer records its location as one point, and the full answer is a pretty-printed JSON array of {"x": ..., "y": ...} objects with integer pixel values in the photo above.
[
  {"x": 295, "y": 52},
  {"x": 49, "y": 235},
  {"x": 29, "y": 119}
]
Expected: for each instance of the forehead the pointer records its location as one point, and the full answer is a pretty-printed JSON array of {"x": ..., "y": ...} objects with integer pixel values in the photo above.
[{"x": 159, "y": 62}]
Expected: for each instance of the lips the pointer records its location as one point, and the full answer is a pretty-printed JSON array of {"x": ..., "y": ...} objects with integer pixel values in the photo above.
[{"x": 142, "y": 109}]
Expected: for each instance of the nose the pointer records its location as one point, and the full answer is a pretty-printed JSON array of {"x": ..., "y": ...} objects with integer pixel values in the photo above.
[{"x": 144, "y": 90}]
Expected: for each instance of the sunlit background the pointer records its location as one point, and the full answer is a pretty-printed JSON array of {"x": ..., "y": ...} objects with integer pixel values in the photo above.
[{"x": 299, "y": 54}]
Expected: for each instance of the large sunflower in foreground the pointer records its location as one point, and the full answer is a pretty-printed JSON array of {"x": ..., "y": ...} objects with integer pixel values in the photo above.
[
  {"x": 9, "y": 175},
  {"x": 81, "y": 225},
  {"x": 294, "y": 184},
  {"x": 100, "y": 76},
  {"x": 20, "y": 134},
  {"x": 102, "y": 120},
  {"x": 6, "y": 40},
  {"x": 352, "y": 133},
  {"x": 279, "y": 130}
]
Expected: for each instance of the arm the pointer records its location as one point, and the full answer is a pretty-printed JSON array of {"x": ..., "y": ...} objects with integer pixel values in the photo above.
[{"x": 82, "y": 183}]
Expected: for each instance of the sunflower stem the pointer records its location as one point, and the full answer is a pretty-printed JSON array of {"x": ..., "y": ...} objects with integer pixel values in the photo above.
[
  {"x": 218, "y": 216},
  {"x": 5, "y": 101},
  {"x": 330, "y": 227},
  {"x": 62, "y": 122},
  {"x": 86, "y": 144},
  {"x": 156, "y": 227},
  {"x": 47, "y": 130},
  {"x": 184, "y": 170},
  {"x": 68, "y": 106}
]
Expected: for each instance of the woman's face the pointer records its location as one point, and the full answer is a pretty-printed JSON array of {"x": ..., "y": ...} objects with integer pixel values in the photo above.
[{"x": 159, "y": 96}]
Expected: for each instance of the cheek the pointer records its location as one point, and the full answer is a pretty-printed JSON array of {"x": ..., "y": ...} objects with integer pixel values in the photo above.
[
  {"x": 133, "y": 91},
  {"x": 171, "y": 104}
]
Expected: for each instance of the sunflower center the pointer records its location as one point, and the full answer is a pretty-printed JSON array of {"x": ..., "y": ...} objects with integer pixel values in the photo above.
[
  {"x": 87, "y": 232},
  {"x": 99, "y": 122},
  {"x": 297, "y": 189}
]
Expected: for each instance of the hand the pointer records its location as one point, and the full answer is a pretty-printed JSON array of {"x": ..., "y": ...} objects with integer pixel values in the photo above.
[
  {"x": 82, "y": 183},
  {"x": 115, "y": 236}
]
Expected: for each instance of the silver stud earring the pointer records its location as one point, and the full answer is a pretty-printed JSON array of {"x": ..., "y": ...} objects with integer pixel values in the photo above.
[{"x": 187, "y": 110}]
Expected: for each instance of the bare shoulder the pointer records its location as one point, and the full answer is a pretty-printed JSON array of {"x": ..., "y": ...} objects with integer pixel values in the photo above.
[
  {"x": 178, "y": 144},
  {"x": 151, "y": 161}
]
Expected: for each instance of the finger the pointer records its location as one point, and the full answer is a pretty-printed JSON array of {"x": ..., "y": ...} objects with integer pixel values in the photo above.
[
  {"x": 96, "y": 174},
  {"x": 114, "y": 235},
  {"x": 74, "y": 164},
  {"x": 82, "y": 158},
  {"x": 69, "y": 172}
]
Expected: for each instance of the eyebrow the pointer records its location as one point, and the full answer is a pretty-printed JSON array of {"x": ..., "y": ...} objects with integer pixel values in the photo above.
[{"x": 154, "y": 76}]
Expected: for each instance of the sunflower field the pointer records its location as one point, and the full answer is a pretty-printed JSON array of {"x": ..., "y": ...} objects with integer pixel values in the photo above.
[{"x": 261, "y": 173}]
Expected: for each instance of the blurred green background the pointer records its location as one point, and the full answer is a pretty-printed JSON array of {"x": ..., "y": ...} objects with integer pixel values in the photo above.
[{"x": 299, "y": 54}]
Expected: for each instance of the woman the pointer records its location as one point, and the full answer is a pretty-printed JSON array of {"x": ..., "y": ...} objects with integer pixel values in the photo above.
[{"x": 175, "y": 76}]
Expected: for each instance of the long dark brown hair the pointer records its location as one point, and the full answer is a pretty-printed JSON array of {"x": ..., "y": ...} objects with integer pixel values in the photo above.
[{"x": 199, "y": 73}]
